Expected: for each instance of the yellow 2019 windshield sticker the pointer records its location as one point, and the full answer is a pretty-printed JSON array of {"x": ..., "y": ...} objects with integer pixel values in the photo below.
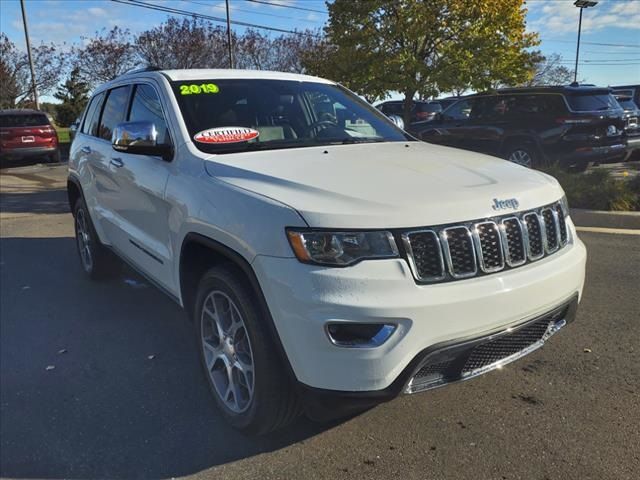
[{"x": 196, "y": 89}]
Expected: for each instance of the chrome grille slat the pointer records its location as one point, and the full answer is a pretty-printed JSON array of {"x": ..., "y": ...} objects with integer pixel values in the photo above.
[
  {"x": 468, "y": 249},
  {"x": 489, "y": 246},
  {"x": 459, "y": 251}
]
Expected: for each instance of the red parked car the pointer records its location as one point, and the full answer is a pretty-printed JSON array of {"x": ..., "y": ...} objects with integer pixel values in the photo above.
[{"x": 27, "y": 133}]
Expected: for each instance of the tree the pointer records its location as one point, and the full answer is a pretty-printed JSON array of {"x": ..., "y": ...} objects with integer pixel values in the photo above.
[
  {"x": 283, "y": 53},
  {"x": 73, "y": 94},
  {"x": 550, "y": 71},
  {"x": 189, "y": 43},
  {"x": 15, "y": 76},
  {"x": 424, "y": 47},
  {"x": 106, "y": 56}
]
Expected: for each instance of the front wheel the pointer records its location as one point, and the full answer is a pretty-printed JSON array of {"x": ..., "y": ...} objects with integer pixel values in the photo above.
[{"x": 237, "y": 352}]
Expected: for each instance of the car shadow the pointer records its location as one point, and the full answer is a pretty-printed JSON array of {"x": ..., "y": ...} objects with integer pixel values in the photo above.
[
  {"x": 44, "y": 201},
  {"x": 102, "y": 380}
]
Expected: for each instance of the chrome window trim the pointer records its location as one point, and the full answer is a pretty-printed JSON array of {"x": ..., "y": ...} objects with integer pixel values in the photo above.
[
  {"x": 447, "y": 252},
  {"x": 478, "y": 246},
  {"x": 406, "y": 240},
  {"x": 524, "y": 242}
]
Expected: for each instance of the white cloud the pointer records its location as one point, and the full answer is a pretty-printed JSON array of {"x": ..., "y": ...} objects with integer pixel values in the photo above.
[
  {"x": 559, "y": 17},
  {"x": 97, "y": 12}
]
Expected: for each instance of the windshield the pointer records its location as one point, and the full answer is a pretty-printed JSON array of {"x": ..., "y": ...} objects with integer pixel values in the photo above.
[
  {"x": 627, "y": 103},
  {"x": 592, "y": 102},
  {"x": 225, "y": 116}
]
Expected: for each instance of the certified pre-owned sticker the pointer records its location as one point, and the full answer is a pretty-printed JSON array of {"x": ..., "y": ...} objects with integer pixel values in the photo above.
[{"x": 226, "y": 135}]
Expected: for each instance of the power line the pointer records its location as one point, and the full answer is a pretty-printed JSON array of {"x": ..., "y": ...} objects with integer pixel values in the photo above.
[
  {"x": 263, "y": 2},
  {"x": 625, "y": 45},
  {"x": 176, "y": 11},
  {"x": 234, "y": 9}
]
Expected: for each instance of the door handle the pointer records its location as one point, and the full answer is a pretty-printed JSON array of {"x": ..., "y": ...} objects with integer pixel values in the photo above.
[
  {"x": 117, "y": 162},
  {"x": 85, "y": 149}
]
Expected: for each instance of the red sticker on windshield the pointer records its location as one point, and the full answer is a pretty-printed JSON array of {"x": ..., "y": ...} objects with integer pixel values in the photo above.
[{"x": 226, "y": 135}]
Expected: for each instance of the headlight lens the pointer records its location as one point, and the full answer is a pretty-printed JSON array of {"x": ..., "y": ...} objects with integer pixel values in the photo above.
[{"x": 341, "y": 248}]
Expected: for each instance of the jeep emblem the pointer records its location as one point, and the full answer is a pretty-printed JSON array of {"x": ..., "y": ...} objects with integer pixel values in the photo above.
[{"x": 504, "y": 204}]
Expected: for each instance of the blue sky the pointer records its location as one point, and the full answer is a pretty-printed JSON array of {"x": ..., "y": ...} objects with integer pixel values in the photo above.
[{"x": 610, "y": 22}]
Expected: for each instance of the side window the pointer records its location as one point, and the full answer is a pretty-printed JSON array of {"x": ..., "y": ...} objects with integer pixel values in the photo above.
[
  {"x": 459, "y": 110},
  {"x": 114, "y": 112},
  {"x": 146, "y": 106},
  {"x": 90, "y": 125}
]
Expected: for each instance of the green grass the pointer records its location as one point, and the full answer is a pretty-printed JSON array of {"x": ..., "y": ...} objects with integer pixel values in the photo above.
[
  {"x": 598, "y": 190},
  {"x": 63, "y": 135}
]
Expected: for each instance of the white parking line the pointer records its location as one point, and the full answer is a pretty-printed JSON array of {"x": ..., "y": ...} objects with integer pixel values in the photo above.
[{"x": 619, "y": 231}]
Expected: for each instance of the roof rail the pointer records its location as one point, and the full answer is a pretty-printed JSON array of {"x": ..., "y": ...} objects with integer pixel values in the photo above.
[{"x": 148, "y": 68}]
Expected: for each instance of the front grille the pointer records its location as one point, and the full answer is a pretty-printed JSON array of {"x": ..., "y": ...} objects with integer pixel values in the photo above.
[
  {"x": 494, "y": 351},
  {"x": 454, "y": 252},
  {"x": 469, "y": 358}
]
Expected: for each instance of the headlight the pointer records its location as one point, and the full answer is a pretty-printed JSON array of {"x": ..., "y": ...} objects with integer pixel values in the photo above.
[{"x": 340, "y": 249}]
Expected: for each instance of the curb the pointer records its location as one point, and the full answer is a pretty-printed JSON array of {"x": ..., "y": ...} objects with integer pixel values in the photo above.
[{"x": 604, "y": 219}]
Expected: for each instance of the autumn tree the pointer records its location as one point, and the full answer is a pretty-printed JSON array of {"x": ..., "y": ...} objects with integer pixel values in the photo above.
[
  {"x": 186, "y": 43},
  {"x": 424, "y": 47},
  {"x": 15, "y": 77},
  {"x": 550, "y": 71},
  {"x": 74, "y": 94},
  {"x": 105, "y": 56},
  {"x": 283, "y": 53}
]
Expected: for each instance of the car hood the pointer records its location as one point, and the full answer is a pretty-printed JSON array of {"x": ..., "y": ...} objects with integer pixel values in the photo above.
[{"x": 385, "y": 185}]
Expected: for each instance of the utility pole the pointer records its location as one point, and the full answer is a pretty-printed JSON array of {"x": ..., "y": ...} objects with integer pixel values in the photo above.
[
  {"x": 229, "y": 36},
  {"x": 33, "y": 72}
]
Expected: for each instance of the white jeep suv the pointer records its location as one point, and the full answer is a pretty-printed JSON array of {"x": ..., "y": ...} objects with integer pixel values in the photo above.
[{"x": 329, "y": 261}]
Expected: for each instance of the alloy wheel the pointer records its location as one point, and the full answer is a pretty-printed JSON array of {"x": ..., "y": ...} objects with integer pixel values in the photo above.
[
  {"x": 227, "y": 351},
  {"x": 521, "y": 157},
  {"x": 84, "y": 240}
]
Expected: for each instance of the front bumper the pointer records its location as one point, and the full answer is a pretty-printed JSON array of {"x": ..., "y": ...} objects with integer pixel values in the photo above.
[{"x": 303, "y": 298}]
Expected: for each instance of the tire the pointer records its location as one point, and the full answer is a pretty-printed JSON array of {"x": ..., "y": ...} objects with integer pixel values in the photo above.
[
  {"x": 523, "y": 154},
  {"x": 238, "y": 355},
  {"x": 96, "y": 261},
  {"x": 54, "y": 157}
]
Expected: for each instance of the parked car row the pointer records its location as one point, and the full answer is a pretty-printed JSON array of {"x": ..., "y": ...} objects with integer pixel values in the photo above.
[{"x": 570, "y": 125}]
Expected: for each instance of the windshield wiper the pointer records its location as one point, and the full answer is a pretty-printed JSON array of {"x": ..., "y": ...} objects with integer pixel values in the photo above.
[{"x": 350, "y": 140}]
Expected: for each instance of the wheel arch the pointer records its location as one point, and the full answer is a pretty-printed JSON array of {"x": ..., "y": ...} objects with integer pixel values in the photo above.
[
  {"x": 74, "y": 191},
  {"x": 198, "y": 254}
]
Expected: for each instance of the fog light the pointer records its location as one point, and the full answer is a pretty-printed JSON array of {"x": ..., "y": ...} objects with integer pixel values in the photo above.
[{"x": 360, "y": 335}]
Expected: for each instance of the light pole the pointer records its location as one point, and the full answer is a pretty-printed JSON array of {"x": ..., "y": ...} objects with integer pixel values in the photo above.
[{"x": 581, "y": 4}]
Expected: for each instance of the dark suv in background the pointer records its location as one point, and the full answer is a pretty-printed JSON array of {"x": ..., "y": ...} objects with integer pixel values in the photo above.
[
  {"x": 27, "y": 133},
  {"x": 571, "y": 126},
  {"x": 420, "y": 111},
  {"x": 629, "y": 99}
]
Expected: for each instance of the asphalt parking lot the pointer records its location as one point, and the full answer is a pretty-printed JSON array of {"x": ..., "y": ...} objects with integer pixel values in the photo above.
[{"x": 126, "y": 399}]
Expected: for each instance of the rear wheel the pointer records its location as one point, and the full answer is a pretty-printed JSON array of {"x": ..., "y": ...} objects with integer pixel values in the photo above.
[
  {"x": 238, "y": 355},
  {"x": 525, "y": 155},
  {"x": 95, "y": 259}
]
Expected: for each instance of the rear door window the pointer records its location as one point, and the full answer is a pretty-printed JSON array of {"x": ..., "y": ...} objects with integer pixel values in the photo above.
[
  {"x": 146, "y": 107},
  {"x": 90, "y": 125},
  {"x": 114, "y": 112},
  {"x": 592, "y": 102},
  {"x": 23, "y": 120},
  {"x": 460, "y": 110}
]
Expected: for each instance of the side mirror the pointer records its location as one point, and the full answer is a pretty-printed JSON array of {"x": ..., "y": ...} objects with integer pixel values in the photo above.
[
  {"x": 139, "y": 138},
  {"x": 397, "y": 119}
]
